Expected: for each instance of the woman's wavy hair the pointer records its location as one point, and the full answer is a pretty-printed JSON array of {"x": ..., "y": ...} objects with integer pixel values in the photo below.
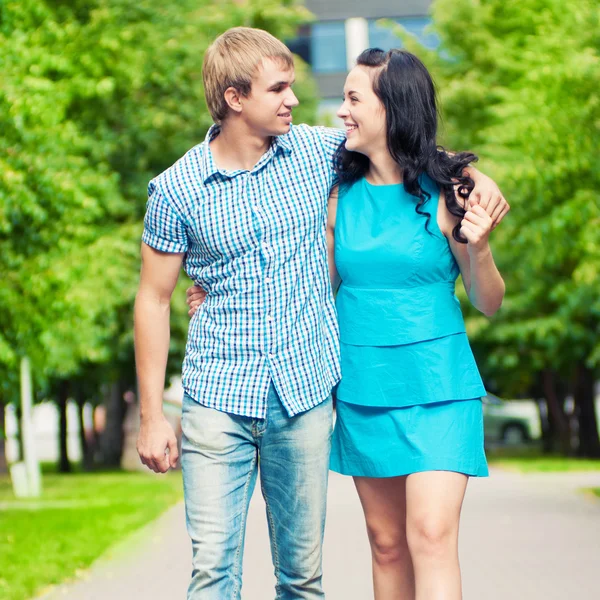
[{"x": 407, "y": 92}]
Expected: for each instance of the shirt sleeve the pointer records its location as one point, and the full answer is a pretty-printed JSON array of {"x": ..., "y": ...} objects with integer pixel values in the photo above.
[
  {"x": 331, "y": 140},
  {"x": 163, "y": 228}
]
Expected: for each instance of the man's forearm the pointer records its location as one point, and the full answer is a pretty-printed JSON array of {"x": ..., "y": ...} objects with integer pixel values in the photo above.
[{"x": 152, "y": 332}]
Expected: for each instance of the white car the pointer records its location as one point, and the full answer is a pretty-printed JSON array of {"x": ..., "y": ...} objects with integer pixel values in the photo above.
[{"x": 513, "y": 422}]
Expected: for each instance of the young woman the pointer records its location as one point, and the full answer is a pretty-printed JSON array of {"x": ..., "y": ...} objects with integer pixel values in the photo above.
[{"x": 409, "y": 425}]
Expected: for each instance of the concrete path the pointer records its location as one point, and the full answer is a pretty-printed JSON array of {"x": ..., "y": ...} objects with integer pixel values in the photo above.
[{"x": 523, "y": 537}]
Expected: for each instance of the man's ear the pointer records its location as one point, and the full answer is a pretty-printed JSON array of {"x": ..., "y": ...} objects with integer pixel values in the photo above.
[{"x": 233, "y": 99}]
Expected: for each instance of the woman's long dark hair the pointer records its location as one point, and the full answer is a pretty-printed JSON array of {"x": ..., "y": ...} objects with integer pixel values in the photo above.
[{"x": 407, "y": 93}]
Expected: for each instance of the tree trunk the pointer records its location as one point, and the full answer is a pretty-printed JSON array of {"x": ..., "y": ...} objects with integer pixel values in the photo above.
[
  {"x": 589, "y": 442},
  {"x": 558, "y": 435},
  {"x": 87, "y": 438},
  {"x": 82, "y": 439},
  {"x": 112, "y": 436},
  {"x": 549, "y": 434},
  {"x": 19, "y": 416},
  {"x": 64, "y": 465},
  {"x": 3, "y": 464}
]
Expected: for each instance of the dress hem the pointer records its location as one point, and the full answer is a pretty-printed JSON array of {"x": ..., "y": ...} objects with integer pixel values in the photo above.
[
  {"x": 474, "y": 395},
  {"x": 417, "y": 466}
]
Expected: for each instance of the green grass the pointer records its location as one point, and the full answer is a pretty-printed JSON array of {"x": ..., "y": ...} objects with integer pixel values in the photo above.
[
  {"x": 48, "y": 540},
  {"x": 543, "y": 464}
]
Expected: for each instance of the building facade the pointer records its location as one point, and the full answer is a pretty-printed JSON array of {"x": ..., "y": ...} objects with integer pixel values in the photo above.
[{"x": 343, "y": 29}]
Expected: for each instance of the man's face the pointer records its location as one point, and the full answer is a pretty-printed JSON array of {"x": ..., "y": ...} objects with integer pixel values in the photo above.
[{"x": 268, "y": 109}]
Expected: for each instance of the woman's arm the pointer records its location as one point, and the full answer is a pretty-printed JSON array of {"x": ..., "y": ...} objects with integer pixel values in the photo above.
[
  {"x": 194, "y": 297},
  {"x": 481, "y": 278},
  {"x": 331, "y": 215}
]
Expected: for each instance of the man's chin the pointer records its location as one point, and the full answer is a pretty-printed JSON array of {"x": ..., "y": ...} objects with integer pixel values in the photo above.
[{"x": 282, "y": 129}]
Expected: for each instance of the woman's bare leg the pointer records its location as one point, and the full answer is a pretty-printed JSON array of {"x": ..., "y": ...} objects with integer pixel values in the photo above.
[
  {"x": 434, "y": 500},
  {"x": 384, "y": 505}
]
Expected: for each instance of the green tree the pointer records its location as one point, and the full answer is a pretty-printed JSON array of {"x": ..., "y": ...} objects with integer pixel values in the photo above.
[
  {"x": 96, "y": 98},
  {"x": 520, "y": 83}
]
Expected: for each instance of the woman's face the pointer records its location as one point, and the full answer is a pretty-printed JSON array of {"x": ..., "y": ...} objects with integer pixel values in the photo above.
[{"x": 363, "y": 113}]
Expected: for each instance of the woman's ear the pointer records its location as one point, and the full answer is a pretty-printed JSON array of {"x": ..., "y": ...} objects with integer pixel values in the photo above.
[{"x": 233, "y": 99}]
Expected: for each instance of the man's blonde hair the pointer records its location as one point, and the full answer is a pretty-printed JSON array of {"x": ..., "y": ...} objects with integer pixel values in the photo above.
[{"x": 233, "y": 59}]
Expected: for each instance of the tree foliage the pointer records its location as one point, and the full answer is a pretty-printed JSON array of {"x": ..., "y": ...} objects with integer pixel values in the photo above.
[
  {"x": 520, "y": 85},
  {"x": 96, "y": 98}
]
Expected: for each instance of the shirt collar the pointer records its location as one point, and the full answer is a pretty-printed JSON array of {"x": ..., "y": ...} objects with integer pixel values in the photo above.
[
  {"x": 208, "y": 164},
  {"x": 283, "y": 142}
]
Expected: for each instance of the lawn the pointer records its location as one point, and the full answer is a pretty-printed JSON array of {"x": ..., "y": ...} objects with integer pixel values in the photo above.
[
  {"x": 46, "y": 541},
  {"x": 541, "y": 463}
]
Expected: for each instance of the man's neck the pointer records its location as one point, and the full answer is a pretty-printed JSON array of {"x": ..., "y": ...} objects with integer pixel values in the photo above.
[{"x": 238, "y": 148}]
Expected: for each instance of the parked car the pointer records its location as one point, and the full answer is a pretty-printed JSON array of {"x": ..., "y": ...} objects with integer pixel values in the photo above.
[{"x": 515, "y": 422}]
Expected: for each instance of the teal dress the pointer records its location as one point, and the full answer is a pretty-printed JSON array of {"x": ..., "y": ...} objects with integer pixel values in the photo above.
[{"x": 410, "y": 395}]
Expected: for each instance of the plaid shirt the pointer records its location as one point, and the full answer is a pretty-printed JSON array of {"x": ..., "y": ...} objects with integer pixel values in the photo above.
[{"x": 255, "y": 241}]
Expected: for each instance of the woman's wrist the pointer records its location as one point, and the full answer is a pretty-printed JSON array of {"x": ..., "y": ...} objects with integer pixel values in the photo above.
[{"x": 479, "y": 252}]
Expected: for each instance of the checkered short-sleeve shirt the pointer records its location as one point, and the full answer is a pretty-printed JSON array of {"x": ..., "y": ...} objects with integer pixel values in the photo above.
[{"x": 256, "y": 242}]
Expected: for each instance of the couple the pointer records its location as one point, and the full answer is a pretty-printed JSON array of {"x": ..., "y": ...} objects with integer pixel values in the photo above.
[{"x": 254, "y": 213}]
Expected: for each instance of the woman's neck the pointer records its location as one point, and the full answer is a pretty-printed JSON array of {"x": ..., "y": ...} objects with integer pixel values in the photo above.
[{"x": 383, "y": 170}]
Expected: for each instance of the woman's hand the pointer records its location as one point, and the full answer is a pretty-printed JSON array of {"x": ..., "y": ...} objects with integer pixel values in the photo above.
[
  {"x": 476, "y": 226},
  {"x": 194, "y": 296},
  {"x": 482, "y": 217}
]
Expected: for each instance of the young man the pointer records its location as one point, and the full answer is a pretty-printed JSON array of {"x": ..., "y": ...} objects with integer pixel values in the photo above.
[{"x": 245, "y": 213}]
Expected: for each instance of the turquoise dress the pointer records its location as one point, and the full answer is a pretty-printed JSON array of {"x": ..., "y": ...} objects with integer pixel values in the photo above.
[{"x": 410, "y": 395}]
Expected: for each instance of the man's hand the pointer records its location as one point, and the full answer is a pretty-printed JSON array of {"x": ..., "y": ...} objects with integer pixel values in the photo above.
[
  {"x": 487, "y": 195},
  {"x": 195, "y": 296},
  {"x": 155, "y": 438}
]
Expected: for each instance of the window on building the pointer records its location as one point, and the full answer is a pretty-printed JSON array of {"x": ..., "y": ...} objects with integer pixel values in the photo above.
[
  {"x": 328, "y": 47},
  {"x": 300, "y": 45},
  {"x": 382, "y": 36}
]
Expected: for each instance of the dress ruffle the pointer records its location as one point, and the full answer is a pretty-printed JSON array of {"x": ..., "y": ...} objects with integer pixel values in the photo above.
[{"x": 430, "y": 371}]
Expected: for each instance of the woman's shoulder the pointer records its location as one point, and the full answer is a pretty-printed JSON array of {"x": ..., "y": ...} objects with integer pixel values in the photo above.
[
  {"x": 436, "y": 202},
  {"x": 350, "y": 187},
  {"x": 430, "y": 186}
]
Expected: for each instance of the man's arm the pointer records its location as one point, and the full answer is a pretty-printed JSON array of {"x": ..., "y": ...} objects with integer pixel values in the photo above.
[
  {"x": 158, "y": 277},
  {"x": 487, "y": 194}
]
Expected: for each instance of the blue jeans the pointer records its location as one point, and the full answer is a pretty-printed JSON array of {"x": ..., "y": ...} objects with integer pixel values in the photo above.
[{"x": 220, "y": 458}]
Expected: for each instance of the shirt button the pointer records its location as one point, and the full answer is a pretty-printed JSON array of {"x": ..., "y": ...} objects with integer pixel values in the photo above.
[
  {"x": 270, "y": 355},
  {"x": 269, "y": 318},
  {"x": 268, "y": 280}
]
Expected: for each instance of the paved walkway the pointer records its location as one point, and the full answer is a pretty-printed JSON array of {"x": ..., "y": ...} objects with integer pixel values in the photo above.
[{"x": 523, "y": 537}]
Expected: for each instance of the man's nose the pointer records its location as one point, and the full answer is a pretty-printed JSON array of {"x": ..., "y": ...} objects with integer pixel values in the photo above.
[{"x": 291, "y": 100}]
